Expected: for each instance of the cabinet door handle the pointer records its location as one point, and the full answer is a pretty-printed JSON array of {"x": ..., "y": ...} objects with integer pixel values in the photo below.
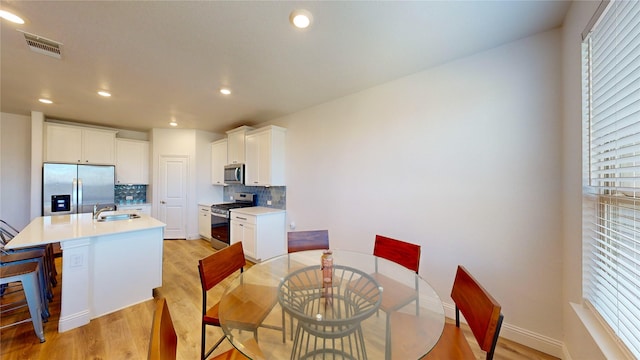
[{"x": 241, "y": 218}]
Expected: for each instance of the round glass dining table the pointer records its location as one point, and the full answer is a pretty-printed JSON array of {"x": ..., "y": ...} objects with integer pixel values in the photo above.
[{"x": 300, "y": 316}]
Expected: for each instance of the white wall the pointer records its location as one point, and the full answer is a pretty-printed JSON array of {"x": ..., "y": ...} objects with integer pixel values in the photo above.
[
  {"x": 462, "y": 159},
  {"x": 15, "y": 170}
]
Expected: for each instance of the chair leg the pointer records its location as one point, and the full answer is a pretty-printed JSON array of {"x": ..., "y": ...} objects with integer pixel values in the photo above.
[
  {"x": 203, "y": 342},
  {"x": 31, "y": 286},
  {"x": 204, "y": 353},
  {"x": 284, "y": 337},
  {"x": 387, "y": 347}
]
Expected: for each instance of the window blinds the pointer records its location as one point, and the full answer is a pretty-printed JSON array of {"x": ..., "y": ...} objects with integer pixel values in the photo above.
[{"x": 611, "y": 94}]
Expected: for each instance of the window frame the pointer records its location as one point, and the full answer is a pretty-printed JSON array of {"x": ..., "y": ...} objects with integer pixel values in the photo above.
[{"x": 611, "y": 184}]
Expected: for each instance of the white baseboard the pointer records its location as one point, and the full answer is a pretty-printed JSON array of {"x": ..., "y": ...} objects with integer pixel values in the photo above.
[{"x": 522, "y": 336}]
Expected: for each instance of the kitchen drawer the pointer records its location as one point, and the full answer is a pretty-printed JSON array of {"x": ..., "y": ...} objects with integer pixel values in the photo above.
[
  {"x": 251, "y": 219},
  {"x": 204, "y": 209}
]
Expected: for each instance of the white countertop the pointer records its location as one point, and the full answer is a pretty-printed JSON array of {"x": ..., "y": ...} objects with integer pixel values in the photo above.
[
  {"x": 50, "y": 229},
  {"x": 257, "y": 210}
]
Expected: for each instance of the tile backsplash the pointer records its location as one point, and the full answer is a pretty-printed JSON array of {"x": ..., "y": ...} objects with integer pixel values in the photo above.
[
  {"x": 275, "y": 194},
  {"x": 131, "y": 194}
]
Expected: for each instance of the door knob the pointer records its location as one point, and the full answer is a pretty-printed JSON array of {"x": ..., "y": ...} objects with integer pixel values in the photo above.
[{"x": 162, "y": 202}]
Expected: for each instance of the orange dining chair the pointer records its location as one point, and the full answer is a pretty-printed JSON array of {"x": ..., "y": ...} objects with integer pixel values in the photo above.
[
  {"x": 164, "y": 341},
  {"x": 302, "y": 241},
  {"x": 402, "y": 253},
  {"x": 307, "y": 240},
  {"x": 213, "y": 270},
  {"x": 396, "y": 295},
  {"x": 481, "y": 311}
]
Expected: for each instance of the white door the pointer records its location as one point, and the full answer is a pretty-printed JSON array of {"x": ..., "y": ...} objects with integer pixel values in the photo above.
[{"x": 172, "y": 209}]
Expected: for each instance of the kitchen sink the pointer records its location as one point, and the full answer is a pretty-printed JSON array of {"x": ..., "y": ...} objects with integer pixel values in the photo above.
[{"x": 116, "y": 217}]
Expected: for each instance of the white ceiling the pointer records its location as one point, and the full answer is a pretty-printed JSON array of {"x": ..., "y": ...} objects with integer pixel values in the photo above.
[{"x": 167, "y": 59}]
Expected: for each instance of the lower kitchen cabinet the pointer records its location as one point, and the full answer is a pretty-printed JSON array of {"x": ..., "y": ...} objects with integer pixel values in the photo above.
[
  {"x": 204, "y": 221},
  {"x": 261, "y": 231}
]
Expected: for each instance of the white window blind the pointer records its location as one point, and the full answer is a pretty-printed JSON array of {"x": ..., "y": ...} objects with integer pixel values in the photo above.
[{"x": 611, "y": 93}]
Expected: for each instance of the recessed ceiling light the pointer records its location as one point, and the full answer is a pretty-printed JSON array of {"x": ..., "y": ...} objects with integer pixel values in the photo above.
[
  {"x": 104, "y": 93},
  {"x": 45, "y": 101},
  {"x": 225, "y": 91},
  {"x": 173, "y": 123},
  {"x": 300, "y": 18},
  {"x": 11, "y": 17}
]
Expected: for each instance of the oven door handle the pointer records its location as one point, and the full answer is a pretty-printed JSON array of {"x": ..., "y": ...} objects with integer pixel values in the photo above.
[{"x": 218, "y": 215}]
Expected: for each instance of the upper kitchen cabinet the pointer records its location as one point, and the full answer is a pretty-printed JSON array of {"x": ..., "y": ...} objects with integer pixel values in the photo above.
[
  {"x": 218, "y": 161},
  {"x": 236, "y": 145},
  {"x": 75, "y": 144},
  {"x": 265, "y": 157},
  {"x": 132, "y": 161}
]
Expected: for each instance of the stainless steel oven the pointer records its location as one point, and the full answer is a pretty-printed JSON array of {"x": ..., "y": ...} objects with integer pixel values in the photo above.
[
  {"x": 219, "y": 230},
  {"x": 220, "y": 218}
]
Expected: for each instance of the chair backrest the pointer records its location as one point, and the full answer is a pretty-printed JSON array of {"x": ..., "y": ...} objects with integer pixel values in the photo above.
[
  {"x": 164, "y": 342},
  {"x": 307, "y": 240},
  {"x": 400, "y": 252},
  {"x": 479, "y": 308},
  {"x": 7, "y": 232},
  {"x": 219, "y": 265}
]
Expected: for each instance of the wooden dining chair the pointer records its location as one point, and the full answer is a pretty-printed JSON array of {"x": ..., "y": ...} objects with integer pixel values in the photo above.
[
  {"x": 307, "y": 240},
  {"x": 481, "y": 311},
  {"x": 164, "y": 341},
  {"x": 303, "y": 241},
  {"x": 396, "y": 295},
  {"x": 213, "y": 270}
]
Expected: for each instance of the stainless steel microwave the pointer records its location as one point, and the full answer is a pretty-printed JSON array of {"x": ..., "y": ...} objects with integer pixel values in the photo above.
[{"x": 234, "y": 174}]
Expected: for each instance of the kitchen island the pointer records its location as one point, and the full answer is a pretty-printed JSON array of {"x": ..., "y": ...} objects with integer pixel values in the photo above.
[{"x": 106, "y": 266}]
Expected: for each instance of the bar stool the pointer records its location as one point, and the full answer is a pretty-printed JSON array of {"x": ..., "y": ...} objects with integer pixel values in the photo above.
[
  {"x": 34, "y": 256},
  {"x": 27, "y": 274},
  {"x": 48, "y": 267}
]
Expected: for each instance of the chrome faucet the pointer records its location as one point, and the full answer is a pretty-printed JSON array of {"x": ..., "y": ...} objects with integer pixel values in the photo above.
[{"x": 96, "y": 212}]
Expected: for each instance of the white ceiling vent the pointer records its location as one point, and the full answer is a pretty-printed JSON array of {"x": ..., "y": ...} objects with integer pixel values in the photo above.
[{"x": 43, "y": 45}]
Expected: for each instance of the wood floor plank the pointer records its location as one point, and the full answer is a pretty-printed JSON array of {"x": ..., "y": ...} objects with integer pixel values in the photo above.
[{"x": 125, "y": 334}]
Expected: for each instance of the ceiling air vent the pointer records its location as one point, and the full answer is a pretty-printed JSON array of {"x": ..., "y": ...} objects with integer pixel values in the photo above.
[{"x": 43, "y": 45}]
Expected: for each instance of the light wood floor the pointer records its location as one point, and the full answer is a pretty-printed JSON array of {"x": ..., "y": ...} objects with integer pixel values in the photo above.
[{"x": 125, "y": 334}]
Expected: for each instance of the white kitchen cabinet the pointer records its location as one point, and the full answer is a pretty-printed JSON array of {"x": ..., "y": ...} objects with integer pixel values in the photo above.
[
  {"x": 137, "y": 209},
  {"x": 236, "y": 145},
  {"x": 218, "y": 161},
  {"x": 75, "y": 144},
  {"x": 265, "y": 157},
  {"x": 204, "y": 221},
  {"x": 132, "y": 161},
  {"x": 261, "y": 231}
]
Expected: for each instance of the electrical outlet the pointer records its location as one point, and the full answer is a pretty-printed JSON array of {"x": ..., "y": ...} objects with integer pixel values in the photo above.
[
  {"x": 129, "y": 197},
  {"x": 268, "y": 202}
]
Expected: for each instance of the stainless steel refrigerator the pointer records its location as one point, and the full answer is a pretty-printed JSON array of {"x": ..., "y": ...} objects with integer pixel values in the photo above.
[{"x": 71, "y": 189}]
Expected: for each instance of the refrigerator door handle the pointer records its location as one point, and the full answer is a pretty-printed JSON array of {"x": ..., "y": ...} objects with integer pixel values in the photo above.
[
  {"x": 74, "y": 195},
  {"x": 79, "y": 196}
]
